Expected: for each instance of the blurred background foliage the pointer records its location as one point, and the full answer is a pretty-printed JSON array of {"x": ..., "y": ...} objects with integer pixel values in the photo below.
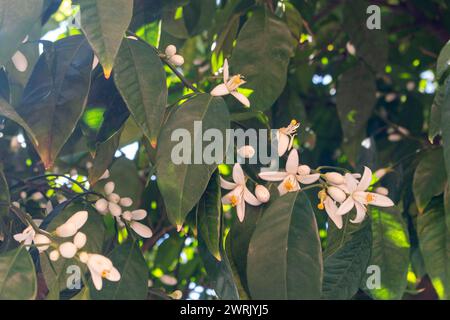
[{"x": 363, "y": 97}]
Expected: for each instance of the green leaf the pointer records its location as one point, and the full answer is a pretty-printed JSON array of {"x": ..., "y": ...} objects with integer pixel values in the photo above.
[
  {"x": 284, "y": 256},
  {"x": 17, "y": 275},
  {"x": 390, "y": 252},
  {"x": 445, "y": 118},
  {"x": 346, "y": 259},
  {"x": 104, "y": 23},
  {"x": 133, "y": 283},
  {"x": 17, "y": 18},
  {"x": 443, "y": 61},
  {"x": 355, "y": 100},
  {"x": 6, "y": 110},
  {"x": 434, "y": 125},
  {"x": 141, "y": 80},
  {"x": 55, "y": 96},
  {"x": 4, "y": 197},
  {"x": 433, "y": 230},
  {"x": 262, "y": 53},
  {"x": 429, "y": 178},
  {"x": 182, "y": 185},
  {"x": 209, "y": 216}
]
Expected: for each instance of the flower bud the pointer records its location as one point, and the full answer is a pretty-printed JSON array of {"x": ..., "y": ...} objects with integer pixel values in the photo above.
[
  {"x": 66, "y": 230},
  {"x": 127, "y": 216},
  {"x": 54, "y": 255},
  {"x": 101, "y": 205},
  {"x": 42, "y": 242},
  {"x": 105, "y": 175},
  {"x": 67, "y": 250},
  {"x": 114, "y": 197},
  {"x": 303, "y": 170},
  {"x": 84, "y": 256},
  {"x": 170, "y": 50},
  {"x": 141, "y": 229},
  {"x": 79, "y": 240},
  {"x": 382, "y": 190},
  {"x": 395, "y": 137},
  {"x": 115, "y": 209},
  {"x": 78, "y": 219},
  {"x": 380, "y": 173},
  {"x": 109, "y": 187},
  {"x": 177, "y": 60},
  {"x": 246, "y": 152},
  {"x": 168, "y": 280},
  {"x": 337, "y": 194},
  {"x": 262, "y": 194},
  {"x": 126, "y": 202},
  {"x": 138, "y": 214},
  {"x": 334, "y": 178}
]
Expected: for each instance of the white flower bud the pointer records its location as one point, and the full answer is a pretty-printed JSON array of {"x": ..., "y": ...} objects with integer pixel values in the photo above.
[
  {"x": 37, "y": 196},
  {"x": 127, "y": 216},
  {"x": 20, "y": 61},
  {"x": 170, "y": 50},
  {"x": 395, "y": 137},
  {"x": 78, "y": 219},
  {"x": 138, "y": 214},
  {"x": 246, "y": 152},
  {"x": 177, "y": 60},
  {"x": 16, "y": 204},
  {"x": 114, "y": 197},
  {"x": 84, "y": 256},
  {"x": 126, "y": 202},
  {"x": 79, "y": 240},
  {"x": 337, "y": 194},
  {"x": 141, "y": 229},
  {"x": 262, "y": 194},
  {"x": 66, "y": 230},
  {"x": 105, "y": 175},
  {"x": 101, "y": 205},
  {"x": 42, "y": 242},
  {"x": 380, "y": 173},
  {"x": 109, "y": 188},
  {"x": 303, "y": 170},
  {"x": 114, "y": 209},
  {"x": 382, "y": 190},
  {"x": 403, "y": 131},
  {"x": 350, "y": 48},
  {"x": 334, "y": 178},
  {"x": 23, "y": 195},
  {"x": 54, "y": 255},
  {"x": 168, "y": 280},
  {"x": 67, "y": 250}
]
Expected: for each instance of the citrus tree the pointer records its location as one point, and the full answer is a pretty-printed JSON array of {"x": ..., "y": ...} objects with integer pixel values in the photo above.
[{"x": 119, "y": 178}]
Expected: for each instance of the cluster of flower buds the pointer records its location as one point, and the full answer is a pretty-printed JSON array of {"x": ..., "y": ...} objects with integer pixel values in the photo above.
[
  {"x": 172, "y": 56},
  {"x": 118, "y": 207},
  {"x": 339, "y": 193}
]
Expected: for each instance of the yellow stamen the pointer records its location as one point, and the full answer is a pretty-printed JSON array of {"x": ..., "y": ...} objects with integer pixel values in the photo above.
[
  {"x": 105, "y": 273},
  {"x": 320, "y": 206},
  {"x": 233, "y": 200},
  {"x": 293, "y": 122},
  {"x": 289, "y": 185},
  {"x": 237, "y": 80},
  {"x": 370, "y": 197}
]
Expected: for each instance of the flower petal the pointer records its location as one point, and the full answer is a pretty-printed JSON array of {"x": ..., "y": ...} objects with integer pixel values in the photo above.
[
  {"x": 96, "y": 279},
  {"x": 360, "y": 213},
  {"x": 292, "y": 162},
  {"x": 238, "y": 174},
  {"x": 227, "y": 185},
  {"x": 242, "y": 99},
  {"x": 138, "y": 214},
  {"x": 366, "y": 178},
  {"x": 20, "y": 61},
  {"x": 308, "y": 178},
  {"x": 220, "y": 90},
  {"x": 331, "y": 209},
  {"x": 226, "y": 71},
  {"x": 250, "y": 198},
  {"x": 240, "y": 209},
  {"x": 346, "y": 206},
  {"x": 273, "y": 175},
  {"x": 351, "y": 182},
  {"x": 113, "y": 275},
  {"x": 283, "y": 143},
  {"x": 78, "y": 219},
  {"x": 380, "y": 200},
  {"x": 141, "y": 229}
]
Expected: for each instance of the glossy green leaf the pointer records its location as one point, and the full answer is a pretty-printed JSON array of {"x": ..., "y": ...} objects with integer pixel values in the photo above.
[
  {"x": 390, "y": 252},
  {"x": 17, "y": 275},
  {"x": 6, "y": 110},
  {"x": 285, "y": 238},
  {"x": 141, "y": 79},
  {"x": 262, "y": 53},
  {"x": 55, "y": 96},
  {"x": 182, "y": 185},
  {"x": 443, "y": 61},
  {"x": 433, "y": 229},
  {"x": 4, "y": 197},
  {"x": 209, "y": 216},
  {"x": 17, "y": 18},
  {"x": 346, "y": 259},
  {"x": 133, "y": 283},
  {"x": 434, "y": 125},
  {"x": 445, "y": 118},
  {"x": 429, "y": 178},
  {"x": 104, "y": 23}
]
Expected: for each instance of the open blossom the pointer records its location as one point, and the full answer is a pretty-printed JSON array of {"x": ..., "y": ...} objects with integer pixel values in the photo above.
[
  {"x": 100, "y": 268},
  {"x": 239, "y": 194},
  {"x": 360, "y": 198},
  {"x": 293, "y": 176},
  {"x": 230, "y": 86},
  {"x": 327, "y": 203},
  {"x": 133, "y": 217},
  {"x": 285, "y": 137},
  {"x": 72, "y": 225},
  {"x": 173, "y": 57},
  {"x": 26, "y": 237}
]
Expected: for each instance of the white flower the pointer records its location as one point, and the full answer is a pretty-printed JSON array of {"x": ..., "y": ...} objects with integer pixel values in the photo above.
[
  {"x": 84, "y": 256},
  {"x": 136, "y": 215},
  {"x": 360, "y": 198},
  {"x": 72, "y": 225},
  {"x": 109, "y": 188},
  {"x": 327, "y": 203},
  {"x": 42, "y": 242},
  {"x": 291, "y": 177},
  {"x": 101, "y": 267},
  {"x": 285, "y": 137},
  {"x": 114, "y": 198},
  {"x": 230, "y": 85},
  {"x": 79, "y": 240},
  {"x": 102, "y": 206},
  {"x": 54, "y": 255},
  {"x": 126, "y": 202},
  {"x": 172, "y": 57},
  {"x": 67, "y": 250},
  {"x": 239, "y": 194},
  {"x": 262, "y": 194},
  {"x": 26, "y": 237}
]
